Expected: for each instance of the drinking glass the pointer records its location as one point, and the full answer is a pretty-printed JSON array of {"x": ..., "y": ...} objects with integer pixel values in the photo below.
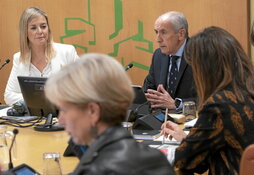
[
  {"x": 189, "y": 110},
  {"x": 4, "y": 153},
  {"x": 51, "y": 163},
  {"x": 127, "y": 126},
  {"x": 5, "y": 142}
]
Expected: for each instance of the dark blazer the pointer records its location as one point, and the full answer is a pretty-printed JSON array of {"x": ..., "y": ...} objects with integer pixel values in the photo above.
[
  {"x": 225, "y": 127},
  {"x": 159, "y": 72},
  {"x": 115, "y": 152}
]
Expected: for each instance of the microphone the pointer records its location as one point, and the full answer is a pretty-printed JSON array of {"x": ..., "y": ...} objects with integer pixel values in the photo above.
[
  {"x": 5, "y": 62},
  {"x": 140, "y": 106},
  {"x": 15, "y": 132},
  {"x": 134, "y": 113},
  {"x": 128, "y": 67}
]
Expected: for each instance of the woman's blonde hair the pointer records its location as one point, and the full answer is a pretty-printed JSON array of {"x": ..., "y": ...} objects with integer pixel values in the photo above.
[
  {"x": 95, "y": 78},
  {"x": 25, "y": 50}
]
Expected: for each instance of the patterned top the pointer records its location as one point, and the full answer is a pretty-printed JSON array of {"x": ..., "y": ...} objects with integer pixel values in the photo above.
[{"x": 225, "y": 127}]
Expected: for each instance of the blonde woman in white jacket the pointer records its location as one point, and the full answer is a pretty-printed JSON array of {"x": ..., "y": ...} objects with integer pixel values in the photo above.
[{"x": 39, "y": 56}]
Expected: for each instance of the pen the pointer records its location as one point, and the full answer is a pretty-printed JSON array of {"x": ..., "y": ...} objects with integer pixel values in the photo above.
[{"x": 165, "y": 120}]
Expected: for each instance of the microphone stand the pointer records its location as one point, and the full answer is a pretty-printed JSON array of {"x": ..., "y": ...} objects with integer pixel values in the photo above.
[
  {"x": 5, "y": 62},
  {"x": 15, "y": 132},
  {"x": 135, "y": 112}
]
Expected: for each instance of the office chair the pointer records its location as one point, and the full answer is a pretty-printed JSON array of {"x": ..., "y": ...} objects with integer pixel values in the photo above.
[{"x": 247, "y": 161}]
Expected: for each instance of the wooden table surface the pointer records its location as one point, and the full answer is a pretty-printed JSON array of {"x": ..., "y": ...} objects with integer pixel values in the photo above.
[{"x": 32, "y": 144}]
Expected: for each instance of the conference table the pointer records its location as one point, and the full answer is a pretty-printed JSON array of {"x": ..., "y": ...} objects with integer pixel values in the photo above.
[{"x": 31, "y": 145}]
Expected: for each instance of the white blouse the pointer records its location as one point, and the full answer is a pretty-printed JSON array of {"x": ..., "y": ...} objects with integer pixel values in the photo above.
[{"x": 65, "y": 54}]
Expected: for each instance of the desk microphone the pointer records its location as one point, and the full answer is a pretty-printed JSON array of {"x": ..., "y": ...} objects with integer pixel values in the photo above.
[
  {"x": 136, "y": 110},
  {"x": 128, "y": 67},
  {"x": 5, "y": 62},
  {"x": 15, "y": 132},
  {"x": 134, "y": 113}
]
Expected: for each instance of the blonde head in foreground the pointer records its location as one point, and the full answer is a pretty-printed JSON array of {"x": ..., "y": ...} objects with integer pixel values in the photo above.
[{"x": 96, "y": 86}]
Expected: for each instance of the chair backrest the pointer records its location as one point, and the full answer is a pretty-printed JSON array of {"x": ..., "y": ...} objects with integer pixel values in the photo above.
[{"x": 247, "y": 161}]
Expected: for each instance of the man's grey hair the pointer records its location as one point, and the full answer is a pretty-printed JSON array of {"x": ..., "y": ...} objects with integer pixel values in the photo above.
[{"x": 178, "y": 20}]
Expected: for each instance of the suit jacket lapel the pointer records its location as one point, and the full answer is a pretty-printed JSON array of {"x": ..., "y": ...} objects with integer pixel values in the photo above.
[
  {"x": 164, "y": 70},
  {"x": 183, "y": 66}
]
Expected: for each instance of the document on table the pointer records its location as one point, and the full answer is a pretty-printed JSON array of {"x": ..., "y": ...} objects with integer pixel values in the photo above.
[
  {"x": 172, "y": 141},
  {"x": 159, "y": 138},
  {"x": 191, "y": 123},
  {"x": 167, "y": 150}
]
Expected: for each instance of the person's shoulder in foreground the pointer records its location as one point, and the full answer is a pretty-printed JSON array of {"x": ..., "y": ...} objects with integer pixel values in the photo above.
[
  {"x": 116, "y": 152},
  {"x": 92, "y": 116},
  {"x": 226, "y": 105}
]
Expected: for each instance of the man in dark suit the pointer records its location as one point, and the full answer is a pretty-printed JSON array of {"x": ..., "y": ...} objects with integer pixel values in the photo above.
[{"x": 170, "y": 80}]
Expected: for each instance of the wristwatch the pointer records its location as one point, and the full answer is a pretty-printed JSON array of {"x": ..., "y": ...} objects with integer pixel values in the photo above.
[{"x": 178, "y": 103}]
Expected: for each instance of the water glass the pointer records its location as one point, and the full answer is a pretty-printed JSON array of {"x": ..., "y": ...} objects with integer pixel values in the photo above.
[
  {"x": 127, "y": 126},
  {"x": 5, "y": 142},
  {"x": 4, "y": 153},
  {"x": 189, "y": 110},
  {"x": 51, "y": 163}
]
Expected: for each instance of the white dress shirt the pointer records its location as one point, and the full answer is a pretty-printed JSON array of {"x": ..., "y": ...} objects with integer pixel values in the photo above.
[{"x": 65, "y": 54}]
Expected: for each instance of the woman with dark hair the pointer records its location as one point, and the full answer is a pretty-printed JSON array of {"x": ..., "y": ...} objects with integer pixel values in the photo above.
[{"x": 224, "y": 78}]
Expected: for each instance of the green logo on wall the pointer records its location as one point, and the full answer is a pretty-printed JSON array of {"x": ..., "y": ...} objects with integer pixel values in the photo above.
[{"x": 87, "y": 26}]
